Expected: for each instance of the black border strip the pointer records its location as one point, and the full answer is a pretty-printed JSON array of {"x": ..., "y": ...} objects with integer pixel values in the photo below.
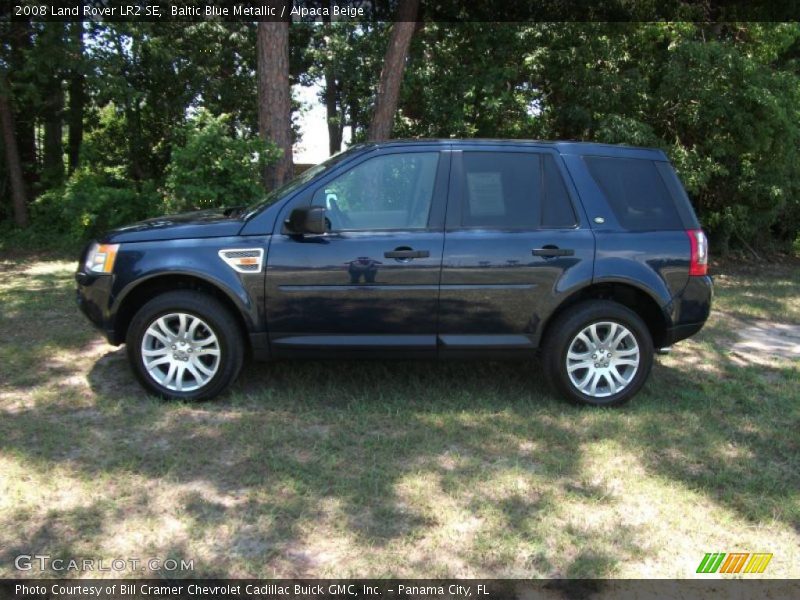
[
  {"x": 386, "y": 10},
  {"x": 439, "y": 589}
]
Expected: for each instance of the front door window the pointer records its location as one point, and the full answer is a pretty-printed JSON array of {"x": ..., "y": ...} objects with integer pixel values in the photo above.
[{"x": 392, "y": 191}]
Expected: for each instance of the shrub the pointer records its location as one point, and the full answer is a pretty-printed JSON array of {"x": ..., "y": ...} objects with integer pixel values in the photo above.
[
  {"x": 215, "y": 166},
  {"x": 93, "y": 201}
]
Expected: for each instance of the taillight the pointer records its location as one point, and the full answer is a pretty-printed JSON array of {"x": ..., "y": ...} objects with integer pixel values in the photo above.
[{"x": 698, "y": 242}]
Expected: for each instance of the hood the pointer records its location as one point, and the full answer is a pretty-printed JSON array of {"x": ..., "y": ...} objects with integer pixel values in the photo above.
[{"x": 196, "y": 224}]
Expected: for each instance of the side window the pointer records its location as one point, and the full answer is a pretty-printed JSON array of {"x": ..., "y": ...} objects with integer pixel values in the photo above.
[
  {"x": 393, "y": 191},
  {"x": 514, "y": 190},
  {"x": 557, "y": 208},
  {"x": 501, "y": 190},
  {"x": 636, "y": 192}
]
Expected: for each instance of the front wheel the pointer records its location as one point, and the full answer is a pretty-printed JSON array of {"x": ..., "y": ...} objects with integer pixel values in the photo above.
[
  {"x": 185, "y": 345},
  {"x": 598, "y": 353}
]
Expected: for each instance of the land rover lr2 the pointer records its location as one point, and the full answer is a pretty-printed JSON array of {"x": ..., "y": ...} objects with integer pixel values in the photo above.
[{"x": 589, "y": 255}]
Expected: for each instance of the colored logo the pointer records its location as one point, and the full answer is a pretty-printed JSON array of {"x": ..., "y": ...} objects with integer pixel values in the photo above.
[{"x": 734, "y": 562}]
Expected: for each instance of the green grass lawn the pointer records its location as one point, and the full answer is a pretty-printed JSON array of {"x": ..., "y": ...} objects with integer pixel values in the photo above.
[{"x": 380, "y": 469}]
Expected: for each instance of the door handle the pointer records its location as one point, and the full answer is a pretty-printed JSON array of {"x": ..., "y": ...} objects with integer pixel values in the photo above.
[
  {"x": 407, "y": 254},
  {"x": 551, "y": 252}
]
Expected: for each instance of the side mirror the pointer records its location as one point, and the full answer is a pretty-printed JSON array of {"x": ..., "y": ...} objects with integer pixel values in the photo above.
[{"x": 307, "y": 220}]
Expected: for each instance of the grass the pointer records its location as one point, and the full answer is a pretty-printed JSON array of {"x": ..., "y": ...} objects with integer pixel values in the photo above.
[
  {"x": 751, "y": 291},
  {"x": 380, "y": 469}
]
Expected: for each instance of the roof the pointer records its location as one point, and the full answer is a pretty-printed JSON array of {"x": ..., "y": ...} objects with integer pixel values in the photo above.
[{"x": 563, "y": 147}]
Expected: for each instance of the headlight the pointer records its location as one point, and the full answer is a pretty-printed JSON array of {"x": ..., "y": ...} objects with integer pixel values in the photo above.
[{"x": 101, "y": 257}]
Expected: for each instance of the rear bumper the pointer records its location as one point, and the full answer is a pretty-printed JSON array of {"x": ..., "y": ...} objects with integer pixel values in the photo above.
[
  {"x": 681, "y": 332},
  {"x": 692, "y": 308}
]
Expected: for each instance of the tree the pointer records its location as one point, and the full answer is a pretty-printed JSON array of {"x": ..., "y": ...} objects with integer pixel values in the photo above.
[
  {"x": 77, "y": 96},
  {"x": 52, "y": 46},
  {"x": 392, "y": 74},
  {"x": 12, "y": 155},
  {"x": 331, "y": 92},
  {"x": 20, "y": 44},
  {"x": 720, "y": 99},
  {"x": 468, "y": 80},
  {"x": 215, "y": 167},
  {"x": 274, "y": 98},
  {"x": 346, "y": 58}
]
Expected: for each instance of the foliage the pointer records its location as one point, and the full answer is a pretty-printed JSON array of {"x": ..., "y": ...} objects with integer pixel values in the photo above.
[
  {"x": 215, "y": 167},
  {"x": 93, "y": 201},
  {"x": 352, "y": 53},
  {"x": 722, "y": 99},
  {"x": 38, "y": 239}
]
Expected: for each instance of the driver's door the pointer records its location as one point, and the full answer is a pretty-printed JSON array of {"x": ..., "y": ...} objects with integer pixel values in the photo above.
[{"x": 372, "y": 282}]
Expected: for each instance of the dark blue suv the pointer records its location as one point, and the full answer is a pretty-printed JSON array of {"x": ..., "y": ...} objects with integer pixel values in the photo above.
[{"x": 589, "y": 254}]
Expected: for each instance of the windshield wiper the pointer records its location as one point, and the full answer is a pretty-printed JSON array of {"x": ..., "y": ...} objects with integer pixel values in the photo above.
[{"x": 234, "y": 211}]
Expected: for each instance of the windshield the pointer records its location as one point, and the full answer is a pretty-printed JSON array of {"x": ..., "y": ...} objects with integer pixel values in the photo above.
[{"x": 300, "y": 180}]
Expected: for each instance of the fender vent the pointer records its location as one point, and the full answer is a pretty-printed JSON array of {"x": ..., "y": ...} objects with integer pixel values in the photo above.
[{"x": 243, "y": 260}]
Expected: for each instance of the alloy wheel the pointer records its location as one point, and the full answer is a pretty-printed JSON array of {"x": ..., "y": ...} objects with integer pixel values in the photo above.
[
  {"x": 602, "y": 359},
  {"x": 180, "y": 352}
]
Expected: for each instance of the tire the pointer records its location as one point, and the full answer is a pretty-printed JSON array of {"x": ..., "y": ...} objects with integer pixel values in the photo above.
[
  {"x": 618, "y": 380},
  {"x": 211, "y": 350}
]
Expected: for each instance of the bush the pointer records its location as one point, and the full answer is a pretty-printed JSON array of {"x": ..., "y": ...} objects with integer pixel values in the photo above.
[
  {"x": 93, "y": 201},
  {"x": 215, "y": 166},
  {"x": 36, "y": 238}
]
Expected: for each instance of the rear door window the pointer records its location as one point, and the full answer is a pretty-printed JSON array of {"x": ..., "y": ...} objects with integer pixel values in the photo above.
[
  {"x": 636, "y": 192},
  {"x": 513, "y": 190},
  {"x": 557, "y": 208}
]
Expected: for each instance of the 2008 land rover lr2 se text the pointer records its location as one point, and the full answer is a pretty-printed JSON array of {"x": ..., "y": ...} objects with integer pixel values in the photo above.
[{"x": 589, "y": 254}]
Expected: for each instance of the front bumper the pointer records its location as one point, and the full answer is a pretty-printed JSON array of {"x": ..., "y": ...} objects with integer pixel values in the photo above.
[{"x": 92, "y": 295}]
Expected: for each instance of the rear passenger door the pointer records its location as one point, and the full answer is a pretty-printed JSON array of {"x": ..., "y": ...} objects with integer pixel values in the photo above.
[{"x": 516, "y": 242}]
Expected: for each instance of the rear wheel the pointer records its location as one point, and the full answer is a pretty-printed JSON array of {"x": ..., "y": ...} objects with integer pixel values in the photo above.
[
  {"x": 185, "y": 345},
  {"x": 598, "y": 353}
]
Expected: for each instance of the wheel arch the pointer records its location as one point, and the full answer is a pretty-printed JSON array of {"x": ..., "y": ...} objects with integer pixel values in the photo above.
[
  {"x": 639, "y": 300},
  {"x": 133, "y": 298}
]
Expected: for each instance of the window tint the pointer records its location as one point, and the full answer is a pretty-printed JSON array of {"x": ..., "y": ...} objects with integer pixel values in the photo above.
[
  {"x": 393, "y": 191},
  {"x": 678, "y": 194},
  {"x": 557, "y": 208},
  {"x": 510, "y": 190},
  {"x": 501, "y": 190},
  {"x": 636, "y": 192}
]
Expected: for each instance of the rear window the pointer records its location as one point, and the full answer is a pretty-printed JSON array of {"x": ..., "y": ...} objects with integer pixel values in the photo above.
[{"x": 636, "y": 192}]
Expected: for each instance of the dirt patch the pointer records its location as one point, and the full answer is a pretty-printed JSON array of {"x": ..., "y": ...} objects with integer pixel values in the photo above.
[{"x": 762, "y": 339}]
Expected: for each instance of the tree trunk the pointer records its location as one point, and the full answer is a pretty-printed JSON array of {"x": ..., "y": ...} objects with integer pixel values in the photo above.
[
  {"x": 12, "y": 155},
  {"x": 24, "y": 118},
  {"x": 53, "y": 132},
  {"x": 274, "y": 98},
  {"x": 77, "y": 99},
  {"x": 53, "y": 113},
  {"x": 392, "y": 72},
  {"x": 334, "y": 116}
]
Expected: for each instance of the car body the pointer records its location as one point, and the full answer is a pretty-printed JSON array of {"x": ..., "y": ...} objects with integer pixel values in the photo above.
[{"x": 425, "y": 249}]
